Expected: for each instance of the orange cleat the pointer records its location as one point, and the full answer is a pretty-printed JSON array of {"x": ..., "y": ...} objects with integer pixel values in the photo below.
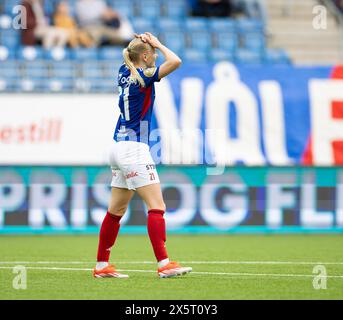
[
  {"x": 173, "y": 269},
  {"x": 108, "y": 272}
]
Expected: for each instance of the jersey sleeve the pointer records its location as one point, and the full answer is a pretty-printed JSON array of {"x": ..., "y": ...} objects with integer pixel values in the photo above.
[{"x": 150, "y": 75}]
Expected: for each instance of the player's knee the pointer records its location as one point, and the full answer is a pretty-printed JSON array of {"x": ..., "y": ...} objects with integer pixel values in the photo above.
[
  {"x": 118, "y": 211},
  {"x": 156, "y": 206}
]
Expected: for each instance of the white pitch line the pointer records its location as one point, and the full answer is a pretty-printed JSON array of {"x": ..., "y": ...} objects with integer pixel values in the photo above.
[
  {"x": 47, "y": 262},
  {"x": 52, "y": 268},
  {"x": 193, "y": 272},
  {"x": 265, "y": 274},
  {"x": 191, "y": 262},
  {"x": 264, "y": 262}
]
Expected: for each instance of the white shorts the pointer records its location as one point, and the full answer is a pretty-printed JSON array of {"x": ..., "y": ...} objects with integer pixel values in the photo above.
[{"x": 132, "y": 165}]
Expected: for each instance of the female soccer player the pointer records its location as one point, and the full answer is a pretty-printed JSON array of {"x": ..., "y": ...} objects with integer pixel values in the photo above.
[{"x": 132, "y": 166}]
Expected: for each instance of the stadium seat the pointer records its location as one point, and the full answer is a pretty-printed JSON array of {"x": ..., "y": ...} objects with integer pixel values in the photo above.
[
  {"x": 9, "y": 5},
  {"x": 253, "y": 40},
  {"x": 276, "y": 56},
  {"x": 111, "y": 68},
  {"x": 10, "y": 38},
  {"x": 195, "y": 39},
  {"x": 3, "y": 85},
  {"x": 84, "y": 54},
  {"x": 59, "y": 85},
  {"x": 201, "y": 40},
  {"x": 249, "y": 25},
  {"x": 175, "y": 8},
  {"x": 31, "y": 85},
  {"x": 29, "y": 53},
  {"x": 5, "y": 53},
  {"x": 222, "y": 25},
  {"x": 111, "y": 53},
  {"x": 142, "y": 24},
  {"x": 94, "y": 85},
  {"x": 217, "y": 54},
  {"x": 82, "y": 85},
  {"x": 175, "y": 40},
  {"x": 194, "y": 55},
  {"x": 8, "y": 85},
  {"x": 124, "y": 7},
  {"x": 149, "y": 8},
  {"x": 246, "y": 56},
  {"x": 107, "y": 85},
  {"x": 169, "y": 24},
  {"x": 10, "y": 69},
  {"x": 49, "y": 7},
  {"x": 196, "y": 24},
  {"x": 65, "y": 69},
  {"x": 197, "y": 33},
  {"x": 36, "y": 69},
  {"x": 57, "y": 54},
  {"x": 226, "y": 40},
  {"x": 91, "y": 69},
  {"x": 5, "y": 21}
]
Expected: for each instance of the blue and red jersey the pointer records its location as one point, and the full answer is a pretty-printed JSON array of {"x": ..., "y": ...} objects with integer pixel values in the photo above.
[{"x": 136, "y": 105}]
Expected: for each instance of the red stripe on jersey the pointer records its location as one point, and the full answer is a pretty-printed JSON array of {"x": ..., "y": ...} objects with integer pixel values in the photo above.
[{"x": 147, "y": 101}]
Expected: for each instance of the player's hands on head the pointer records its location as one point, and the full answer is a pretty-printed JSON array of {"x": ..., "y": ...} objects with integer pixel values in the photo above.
[
  {"x": 152, "y": 40},
  {"x": 147, "y": 37},
  {"x": 142, "y": 36}
]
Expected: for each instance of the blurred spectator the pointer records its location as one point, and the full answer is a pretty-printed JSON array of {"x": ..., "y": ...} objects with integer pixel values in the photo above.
[
  {"x": 212, "y": 8},
  {"x": 77, "y": 37},
  {"x": 255, "y": 9},
  {"x": 103, "y": 23},
  {"x": 339, "y": 4},
  {"x": 38, "y": 27}
]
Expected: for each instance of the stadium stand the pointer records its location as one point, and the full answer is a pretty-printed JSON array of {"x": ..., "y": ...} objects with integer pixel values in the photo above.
[
  {"x": 238, "y": 39},
  {"x": 292, "y": 26}
]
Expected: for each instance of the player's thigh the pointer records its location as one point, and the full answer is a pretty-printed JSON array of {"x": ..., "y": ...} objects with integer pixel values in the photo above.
[
  {"x": 119, "y": 200},
  {"x": 152, "y": 196}
]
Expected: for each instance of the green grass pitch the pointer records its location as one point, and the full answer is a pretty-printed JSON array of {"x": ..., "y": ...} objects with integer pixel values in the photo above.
[{"x": 224, "y": 267}]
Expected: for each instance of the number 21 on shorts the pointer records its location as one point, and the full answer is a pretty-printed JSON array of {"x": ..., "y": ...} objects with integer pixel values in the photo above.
[{"x": 152, "y": 176}]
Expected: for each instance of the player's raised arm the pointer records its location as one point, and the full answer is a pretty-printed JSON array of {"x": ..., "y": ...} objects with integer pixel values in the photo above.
[{"x": 172, "y": 62}]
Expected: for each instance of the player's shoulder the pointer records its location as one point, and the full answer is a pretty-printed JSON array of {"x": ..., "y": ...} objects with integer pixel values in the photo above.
[
  {"x": 124, "y": 68},
  {"x": 123, "y": 72}
]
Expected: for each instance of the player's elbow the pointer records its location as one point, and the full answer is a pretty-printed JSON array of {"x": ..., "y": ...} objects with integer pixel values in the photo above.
[{"x": 177, "y": 62}]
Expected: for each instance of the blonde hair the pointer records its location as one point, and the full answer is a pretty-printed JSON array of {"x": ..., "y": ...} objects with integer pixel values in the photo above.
[{"x": 131, "y": 54}]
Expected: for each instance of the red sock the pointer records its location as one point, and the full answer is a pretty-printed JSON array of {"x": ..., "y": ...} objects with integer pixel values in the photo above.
[
  {"x": 108, "y": 234},
  {"x": 157, "y": 233}
]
